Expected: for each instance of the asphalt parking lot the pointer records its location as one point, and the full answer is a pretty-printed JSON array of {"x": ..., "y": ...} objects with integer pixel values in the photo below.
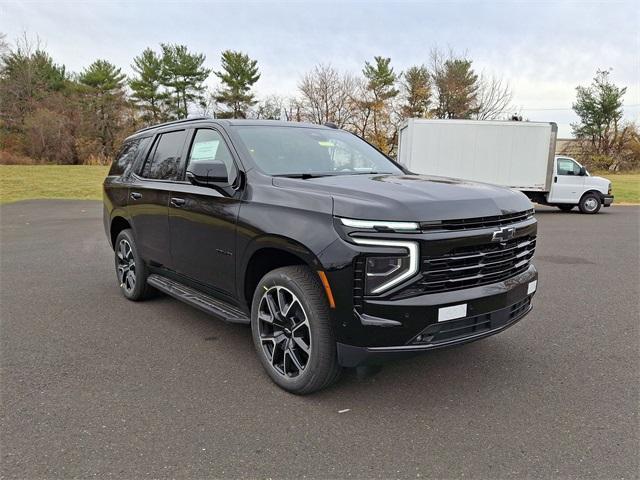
[{"x": 94, "y": 385}]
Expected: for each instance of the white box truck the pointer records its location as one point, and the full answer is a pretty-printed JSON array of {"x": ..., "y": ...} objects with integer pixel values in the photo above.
[{"x": 519, "y": 155}]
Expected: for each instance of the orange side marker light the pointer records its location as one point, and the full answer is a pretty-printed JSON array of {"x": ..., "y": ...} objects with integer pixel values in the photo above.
[{"x": 327, "y": 288}]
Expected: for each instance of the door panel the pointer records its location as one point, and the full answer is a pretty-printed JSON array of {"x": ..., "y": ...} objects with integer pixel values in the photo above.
[
  {"x": 203, "y": 231},
  {"x": 149, "y": 211},
  {"x": 150, "y": 193},
  {"x": 202, "y": 220},
  {"x": 568, "y": 184}
]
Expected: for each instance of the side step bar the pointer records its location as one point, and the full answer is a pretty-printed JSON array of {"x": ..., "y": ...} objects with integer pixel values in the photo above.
[{"x": 204, "y": 302}]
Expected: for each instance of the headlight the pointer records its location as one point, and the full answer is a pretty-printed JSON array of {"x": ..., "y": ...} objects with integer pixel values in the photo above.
[
  {"x": 385, "y": 271},
  {"x": 380, "y": 224}
]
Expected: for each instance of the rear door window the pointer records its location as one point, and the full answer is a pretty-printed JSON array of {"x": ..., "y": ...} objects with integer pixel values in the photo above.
[{"x": 164, "y": 160}]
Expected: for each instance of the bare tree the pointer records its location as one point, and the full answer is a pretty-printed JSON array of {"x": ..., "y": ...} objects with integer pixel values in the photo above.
[
  {"x": 269, "y": 108},
  {"x": 327, "y": 95},
  {"x": 4, "y": 46},
  {"x": 294, "y": 110},
  {"x": 494, "y": 98}
]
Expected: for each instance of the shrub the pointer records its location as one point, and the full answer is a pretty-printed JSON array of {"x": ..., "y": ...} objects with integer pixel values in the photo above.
[
  {"x": 10, "y": 158},
  {"x": 48, "y": 137}
]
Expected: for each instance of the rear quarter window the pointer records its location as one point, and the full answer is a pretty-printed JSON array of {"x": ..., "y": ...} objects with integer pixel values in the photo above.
[{"x": 127, "y": 156}]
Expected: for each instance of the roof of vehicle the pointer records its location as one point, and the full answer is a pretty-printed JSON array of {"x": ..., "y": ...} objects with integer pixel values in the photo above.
[{"x": 228, "y": 122}]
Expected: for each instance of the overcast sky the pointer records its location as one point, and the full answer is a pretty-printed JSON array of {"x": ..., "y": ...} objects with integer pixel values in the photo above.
[{"x": 543, "y": 48}]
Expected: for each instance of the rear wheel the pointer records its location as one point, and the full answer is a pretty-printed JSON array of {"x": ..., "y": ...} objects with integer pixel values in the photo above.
[
  {"x": 292, "y": 331},
  {"x": 565, "y": 208},
  {"x": 590, "y": 203},
  {"x": 130, "y": 269}
]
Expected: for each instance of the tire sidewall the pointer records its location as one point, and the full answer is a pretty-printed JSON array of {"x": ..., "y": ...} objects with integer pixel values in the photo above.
[
  {"x": 321, "y": 346},
  {"x": 141, "y": 270},
  {"x": 583, "y": 202}
]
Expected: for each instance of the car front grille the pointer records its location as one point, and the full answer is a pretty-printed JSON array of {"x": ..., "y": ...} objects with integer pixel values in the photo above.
[
  {"x": 451, "y": 330},
  {"x": 475, "y": 265},
  {"x": 478, "y": 222}
]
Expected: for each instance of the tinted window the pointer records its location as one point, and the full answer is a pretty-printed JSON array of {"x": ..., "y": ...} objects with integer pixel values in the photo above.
[
  {"x": 125, "y": 157},
  {"x": 164, "y": 160},
  {"x": 294, "y": 150},
  {"x": 567, "y": 166},
  {"x": 209, "y": 146}
]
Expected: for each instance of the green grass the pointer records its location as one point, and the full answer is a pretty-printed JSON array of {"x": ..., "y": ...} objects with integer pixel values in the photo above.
[
  {"x": 22, "y": 182},
  {"x": 626, "y": 186}
]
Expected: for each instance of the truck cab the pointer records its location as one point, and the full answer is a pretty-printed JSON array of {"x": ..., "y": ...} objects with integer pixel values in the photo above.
[{"x": 573, "y": 186}]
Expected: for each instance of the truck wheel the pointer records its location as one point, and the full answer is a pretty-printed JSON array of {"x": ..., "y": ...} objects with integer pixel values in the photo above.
[
  {"x": 565, "y": 208},
  {"x": 590, "y": 203},
  {"x": 130, "y": 268},
  {"x": 292, "y": 330}
]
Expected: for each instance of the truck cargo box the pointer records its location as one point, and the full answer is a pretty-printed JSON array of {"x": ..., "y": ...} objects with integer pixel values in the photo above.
[{"x": 514, "y": 154}]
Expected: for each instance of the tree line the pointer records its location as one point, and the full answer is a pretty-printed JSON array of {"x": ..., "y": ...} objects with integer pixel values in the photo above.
[{"x": 48, "y": 114}]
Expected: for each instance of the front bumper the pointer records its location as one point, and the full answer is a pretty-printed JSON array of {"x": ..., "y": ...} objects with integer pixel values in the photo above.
[
  {"x": 490, "y": 310},
  {"x": 607, "y": 200}
]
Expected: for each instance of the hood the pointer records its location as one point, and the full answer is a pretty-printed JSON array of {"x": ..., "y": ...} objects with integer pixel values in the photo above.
[
  {"x": 411, "y": 197},
  {"x": 600, "y": 183}
]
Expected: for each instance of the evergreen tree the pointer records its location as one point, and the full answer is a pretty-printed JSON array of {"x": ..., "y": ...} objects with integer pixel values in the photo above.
[
  {"x": 457, "y": 88},
  {"x": 104, "y": 77},
  {"x": 27, "y": 77},
  {"x": 148, "y": 93},
  {"x": 380, "y": 90},
  {"x": 416, "y": 86},
  {"x": 184, "y": 75},
  {"x": 599, "y": 107},
  {"x": 103, "y": 85},
  {"x": 238, "y": 74}
]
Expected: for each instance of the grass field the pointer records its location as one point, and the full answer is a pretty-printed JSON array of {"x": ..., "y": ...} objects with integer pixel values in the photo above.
[
  {"x": 22, "y": 182},
  {"x": 626, "y": 186}
]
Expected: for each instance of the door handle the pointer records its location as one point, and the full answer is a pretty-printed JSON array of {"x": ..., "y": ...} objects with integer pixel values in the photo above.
[
  {"x": 135, "y": 195},
  {"x": 177, "y": 202}
]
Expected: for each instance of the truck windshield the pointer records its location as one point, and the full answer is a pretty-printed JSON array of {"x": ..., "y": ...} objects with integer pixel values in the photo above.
[{"x": 308, "y": 152}]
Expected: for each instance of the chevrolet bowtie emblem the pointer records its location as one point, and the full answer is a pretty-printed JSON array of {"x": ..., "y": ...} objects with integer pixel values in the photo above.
[{"x": 503, "y": 235}]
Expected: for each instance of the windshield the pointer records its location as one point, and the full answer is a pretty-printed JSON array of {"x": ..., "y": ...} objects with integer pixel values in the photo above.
[{"x": 297, "y": 151}]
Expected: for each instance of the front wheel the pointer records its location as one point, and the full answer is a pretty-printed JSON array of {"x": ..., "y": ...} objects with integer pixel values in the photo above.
[
  {"x": 292, "y": 330},
  {"x": 590, "y": 203}
]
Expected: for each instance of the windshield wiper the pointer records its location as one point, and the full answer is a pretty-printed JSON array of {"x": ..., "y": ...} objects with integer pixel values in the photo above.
[{"x": 304, "y": 176}]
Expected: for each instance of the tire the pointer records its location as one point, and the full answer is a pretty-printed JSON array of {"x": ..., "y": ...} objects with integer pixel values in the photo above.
[
  {"x": 298, "y": 349},
  {"x": 590, "y": 203},
  {"x": 565, "y": 208},
  {"x": 131, "y": 270}
]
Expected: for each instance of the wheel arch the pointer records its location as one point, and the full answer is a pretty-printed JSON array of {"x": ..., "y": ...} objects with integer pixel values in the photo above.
[
  {"x": 118, "y": 223},
  {"x": 268, "y": 253},
  {"x": 598, "y": 193}
]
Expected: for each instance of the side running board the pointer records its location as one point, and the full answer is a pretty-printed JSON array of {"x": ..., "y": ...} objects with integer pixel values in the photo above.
[{"x": 204, "y": 302}]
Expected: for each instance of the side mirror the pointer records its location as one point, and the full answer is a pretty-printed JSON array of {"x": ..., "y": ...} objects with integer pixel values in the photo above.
[
  {"x": 208, "y": 174},
  {"x": 583, "y": 171}
]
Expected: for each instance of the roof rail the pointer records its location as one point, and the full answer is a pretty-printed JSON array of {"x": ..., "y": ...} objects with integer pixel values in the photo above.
[{"x": 173, "y": 122}]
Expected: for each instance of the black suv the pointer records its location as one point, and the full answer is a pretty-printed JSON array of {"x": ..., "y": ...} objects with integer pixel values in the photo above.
[{"x": 333, "y": 253}]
